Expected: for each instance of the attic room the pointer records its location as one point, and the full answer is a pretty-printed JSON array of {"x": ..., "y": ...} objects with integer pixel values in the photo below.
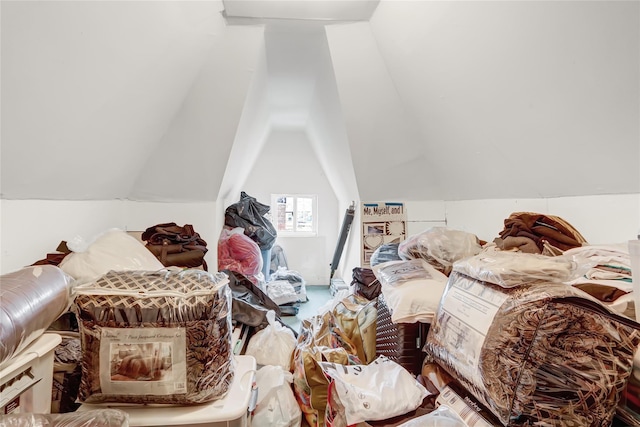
[{"x": 125, "y": 115}]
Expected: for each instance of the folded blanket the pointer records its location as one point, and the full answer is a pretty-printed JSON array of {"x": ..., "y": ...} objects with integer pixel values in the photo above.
[
  {"x": 603, "y": 262},
  {"x": 509, "y": 269},
  {"x": 541, "y": 228},
  {"x": 602, "y": 293}
]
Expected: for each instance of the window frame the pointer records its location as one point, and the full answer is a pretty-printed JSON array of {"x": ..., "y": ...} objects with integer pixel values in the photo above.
[{"x": 295, "y": 233}]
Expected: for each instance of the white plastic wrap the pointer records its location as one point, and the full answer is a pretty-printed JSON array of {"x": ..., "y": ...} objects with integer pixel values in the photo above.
[
  {"x": 155, "y": 337},
  {"x": 107, "y": 417},
  {"x": 440, "y": 246},
  {"x": 273, "y": 345},
  {"x": 440, "y": 417},
  {"x": 112, "y": 250},
  {"x": 412, "y": 289},
  {"x": 282, "y": 292},
  {"x": 509, "y": 269},
  {"x": 276, "y": 405},
  {"x": 31, "y": 299},
  {"x": 380, "y": 390}
]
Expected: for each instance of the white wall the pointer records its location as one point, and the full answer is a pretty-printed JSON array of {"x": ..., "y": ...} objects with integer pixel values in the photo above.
[
  {"x": 600, "y": 219},
  {"x": 32, "y": 228},
  {"x": 288, "y": 165}
]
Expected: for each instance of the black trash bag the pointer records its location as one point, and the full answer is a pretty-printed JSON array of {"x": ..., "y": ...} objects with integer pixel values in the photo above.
[
  {"x": 365, "y": 283},
  {"x": 248, "y": 213},
  {"x": 249, "y": 305}
]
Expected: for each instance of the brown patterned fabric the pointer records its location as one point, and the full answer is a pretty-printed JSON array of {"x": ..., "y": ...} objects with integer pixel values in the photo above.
[
  {"x": 155, "y": 337},
  {"x": 550, "y": 356}
]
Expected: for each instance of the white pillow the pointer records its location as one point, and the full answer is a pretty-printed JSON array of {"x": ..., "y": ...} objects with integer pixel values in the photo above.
[{"x": 112, "y": 250}]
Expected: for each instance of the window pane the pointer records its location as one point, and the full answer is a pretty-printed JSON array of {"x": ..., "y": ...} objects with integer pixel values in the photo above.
[
  {"x": 305, "y": 214},
  {"x": 294, "y": 214}
]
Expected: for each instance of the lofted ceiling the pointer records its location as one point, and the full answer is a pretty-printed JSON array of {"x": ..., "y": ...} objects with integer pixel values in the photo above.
[{"x": 405, "y": 100}]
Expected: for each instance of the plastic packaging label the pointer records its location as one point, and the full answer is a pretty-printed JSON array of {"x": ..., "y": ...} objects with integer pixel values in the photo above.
[
  {"x": 468, "y": 309},
  {"x": 142, "y": 361}
]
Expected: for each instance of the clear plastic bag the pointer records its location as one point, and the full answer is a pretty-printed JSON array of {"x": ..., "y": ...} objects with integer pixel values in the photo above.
[
  {"x": 155, "y": 337},
  {"x": 237, "y": 252},
  {"x": 107, "y": 417},
  {"x": 440, "y": 247},
  {"x": 509, "y": 269}
]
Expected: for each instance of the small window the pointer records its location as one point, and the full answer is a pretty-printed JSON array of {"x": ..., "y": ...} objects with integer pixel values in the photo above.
[{"x": 294, "y": 215}]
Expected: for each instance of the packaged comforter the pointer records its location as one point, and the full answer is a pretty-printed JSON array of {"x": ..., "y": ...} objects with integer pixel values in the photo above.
[
  {"x": 537, "y": 352},
  {"x": 155, "y": 337}
]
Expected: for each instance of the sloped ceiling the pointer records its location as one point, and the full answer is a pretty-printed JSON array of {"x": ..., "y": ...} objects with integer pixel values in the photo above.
[
  {"x": 101, "y": 99},
  {"x": 417, "y": 100},
  {"x": 519, "y": 99}
]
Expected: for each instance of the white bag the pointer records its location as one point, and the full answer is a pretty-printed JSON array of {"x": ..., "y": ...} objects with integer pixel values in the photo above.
[
  {"x": 380, "y": 390},
  {"x": 276, "y": 405},
  {"x": 441, "y": 417},
  {"x": 273, "y": 345}
]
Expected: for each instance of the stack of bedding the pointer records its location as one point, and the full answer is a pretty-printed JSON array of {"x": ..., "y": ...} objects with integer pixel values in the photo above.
[
  {"x": 531, "y": 349},
  {"x": 605, "y": 274}
]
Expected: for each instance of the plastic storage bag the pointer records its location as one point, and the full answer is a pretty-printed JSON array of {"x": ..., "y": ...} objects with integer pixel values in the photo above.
[
  {"x": 541, "y": 353},
  {"x": 356, "y": 316},
  {"x": 106, "y": 417},
  {"x": 440, "y": 247},
  {"x": 412, "y": 289},
  {"x": 155, "y": 337},
  {"x": 384, "y": 253},
  {"x": 320, "y": 339},
  {"x": 440, "y": 417},
  {"x": 237, "y": 252},
  {"x": 276, "y": 405},
  {"x": 510, "y": 269},
  {"x": 380, "y": 390},
  {"x": 273, "y": 345}
]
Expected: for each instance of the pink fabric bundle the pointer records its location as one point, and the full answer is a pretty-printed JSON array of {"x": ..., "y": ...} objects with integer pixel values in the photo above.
[{"x": 237, "y": 252}]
